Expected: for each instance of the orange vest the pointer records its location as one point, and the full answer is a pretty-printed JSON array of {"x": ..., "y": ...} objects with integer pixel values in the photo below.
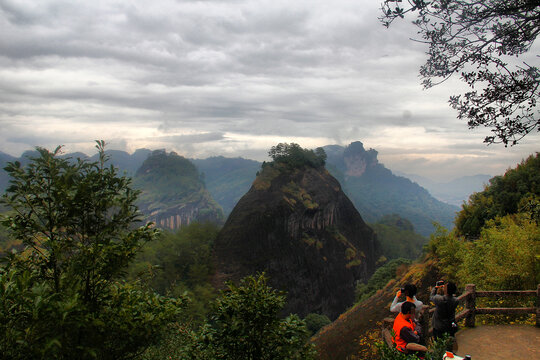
[{"x": 399, "y": 323}]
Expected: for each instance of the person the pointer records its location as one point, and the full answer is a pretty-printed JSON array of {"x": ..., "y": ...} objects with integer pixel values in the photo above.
[
  {"x": 406, "y": 335},
  {"x": 410, "y": 295},
  {"x": 444, "y": 317}
]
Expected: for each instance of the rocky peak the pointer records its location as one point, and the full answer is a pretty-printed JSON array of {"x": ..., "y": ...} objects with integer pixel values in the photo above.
[
  {"x": 357, "y": 159},
  {"x": 299, "y": 227},
  {"x": 173, "y": 193}
]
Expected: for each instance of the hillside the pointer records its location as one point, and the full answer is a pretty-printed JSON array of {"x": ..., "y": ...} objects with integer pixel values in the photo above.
[
  {"x": 297, "y": 225},
  {"x": 227, "y": 179},
  {"x": 354, "y": 332},
  {"x": 376, "y": 191},
  {"x": 504, "y": 256},
  {"x": 173, "y": 193}
]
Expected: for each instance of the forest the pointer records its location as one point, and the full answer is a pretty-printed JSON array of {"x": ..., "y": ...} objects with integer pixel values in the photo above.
[{"x": 80, "y": 279}]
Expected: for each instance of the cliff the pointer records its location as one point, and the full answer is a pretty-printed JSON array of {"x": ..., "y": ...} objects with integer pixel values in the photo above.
[
  {"x": 299, "y": 227},
  {"x": 173, "y": 193},
  {"x": 376, "y": 191}
]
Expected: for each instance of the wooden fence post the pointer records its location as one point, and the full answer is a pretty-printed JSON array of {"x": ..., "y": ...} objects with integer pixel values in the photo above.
[
  {"x": 470, "y": 305},
  {"x": 538, "y": 305}
]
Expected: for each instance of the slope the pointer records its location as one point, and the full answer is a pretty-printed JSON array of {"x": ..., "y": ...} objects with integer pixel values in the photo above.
[{"x": 375, "y": 191}]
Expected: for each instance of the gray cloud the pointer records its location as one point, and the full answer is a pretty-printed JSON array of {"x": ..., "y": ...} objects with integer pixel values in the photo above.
[{"x": 225, "y": 77}]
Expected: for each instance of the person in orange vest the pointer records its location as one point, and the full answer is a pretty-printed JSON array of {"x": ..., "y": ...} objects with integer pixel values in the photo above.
[{"x": 406, "y": 337}]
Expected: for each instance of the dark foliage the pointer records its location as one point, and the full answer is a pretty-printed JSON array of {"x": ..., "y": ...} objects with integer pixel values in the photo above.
[
  {"x": 62, "y": 297},
  {"x": 294, "y": 156},
  {"x": 480, "y": 40}
]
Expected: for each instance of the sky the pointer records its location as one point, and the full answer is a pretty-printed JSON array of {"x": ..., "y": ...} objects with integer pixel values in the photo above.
[{"x": 231, "y": 78}]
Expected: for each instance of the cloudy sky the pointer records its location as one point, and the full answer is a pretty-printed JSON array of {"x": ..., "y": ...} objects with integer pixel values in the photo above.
[{"x": 232, "y": 78}]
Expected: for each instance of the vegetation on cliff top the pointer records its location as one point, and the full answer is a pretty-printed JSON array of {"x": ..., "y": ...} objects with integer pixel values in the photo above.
[{"x": 294, "y": 156}]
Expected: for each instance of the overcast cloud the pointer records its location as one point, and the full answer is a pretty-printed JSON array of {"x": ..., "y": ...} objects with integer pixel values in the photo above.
[{"x": 229, "y": 78}]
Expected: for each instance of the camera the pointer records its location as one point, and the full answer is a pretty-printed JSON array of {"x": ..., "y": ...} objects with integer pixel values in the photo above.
[{"x": 440, "y": 283}]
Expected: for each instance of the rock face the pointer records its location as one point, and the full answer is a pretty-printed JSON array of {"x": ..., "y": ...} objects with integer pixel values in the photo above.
[
  {"x": 173, "y": 193},
  {"x": 376, "y": 191},
  {"x": 299, "y": 227}
]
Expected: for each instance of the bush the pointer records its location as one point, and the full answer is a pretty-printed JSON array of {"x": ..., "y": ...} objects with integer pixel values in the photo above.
[
  {"x": 436, "y": 350},
  {"x": 314, "y": 322},
  {"x": 244, "y": 324}
]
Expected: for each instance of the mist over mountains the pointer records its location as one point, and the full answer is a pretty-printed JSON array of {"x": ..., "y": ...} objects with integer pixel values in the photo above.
[
  {"x": 454, "y": 191},
  {"x": 374, "y": 189}
]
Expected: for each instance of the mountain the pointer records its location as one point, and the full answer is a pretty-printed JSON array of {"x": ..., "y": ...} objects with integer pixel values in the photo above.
[
  {"x": 298, "y": 226},
  {"x": 4, "y": 178},
  {"x": 173, "y": 193},
  {"x": 376, "y": 191},
  {"x": 125, "y": 162},
  {"x": 353, "y": 334},
  {"x": 398, "y": 238},
  {"x": 227, "y": 179},
  {"x": 455, "y": 191}
]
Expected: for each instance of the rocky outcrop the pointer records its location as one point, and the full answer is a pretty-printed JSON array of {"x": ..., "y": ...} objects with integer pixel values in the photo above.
[
  {"x": 376, "y": 191},
  {"x": 299, "y": 227},
  {"x": 173, "y": 193}
]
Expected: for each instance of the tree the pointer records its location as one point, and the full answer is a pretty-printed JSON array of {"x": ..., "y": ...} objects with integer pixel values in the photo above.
[
  {"x": 505, "y": 256},
  {"x": 293, "y": 155},
  {"x": 516, "y": 191},
  {"x": 62, "y": 297},
  {"x": 477, "y": 39},
  {"x": 244, "y": 324}
]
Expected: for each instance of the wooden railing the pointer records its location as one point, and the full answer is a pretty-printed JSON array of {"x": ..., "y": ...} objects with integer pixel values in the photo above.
[
  {"x": 468, "y": 298},
  {"x": 470, "y": 311}
]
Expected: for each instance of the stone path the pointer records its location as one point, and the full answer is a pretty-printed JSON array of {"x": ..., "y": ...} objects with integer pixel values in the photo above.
[{"x": 500, "y": 342}]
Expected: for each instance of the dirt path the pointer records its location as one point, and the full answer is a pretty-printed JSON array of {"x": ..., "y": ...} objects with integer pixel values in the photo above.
[{"x": 500, "y": 342}]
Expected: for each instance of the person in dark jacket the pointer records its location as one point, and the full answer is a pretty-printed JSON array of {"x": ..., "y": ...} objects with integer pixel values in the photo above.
[{"x": 444, "y": 318}]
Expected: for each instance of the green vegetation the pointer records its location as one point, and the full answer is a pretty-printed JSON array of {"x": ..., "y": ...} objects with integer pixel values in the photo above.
[
  {"x": 244, "y": 323},
  {"x": 503, "y": 253},
  {"x": 173, "y": 192},
  {"x": 505, "y": 256},
  {"x": 314, "y": 322},
  {"x": 398, "y": 238},
  {"x": 227, "y": 179},
  {"x": 167, "y": 176},
  {"x": 376, "y": 192},
  {"x": 63, "y": 297},
  {"x": 436, "y": 351},
  {"x": 294, "y": 156},
  {"x": 380, "y": 278},
  {"x": 180, "y": 263},
  {"x": 508, "y": 194}
]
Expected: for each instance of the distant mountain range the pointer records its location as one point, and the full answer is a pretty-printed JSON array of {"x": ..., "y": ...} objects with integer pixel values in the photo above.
[
  {"x": 455, "y": 191},
  {"x": 374, "y": 189}
]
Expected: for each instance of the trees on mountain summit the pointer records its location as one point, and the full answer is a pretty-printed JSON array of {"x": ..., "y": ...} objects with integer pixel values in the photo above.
[
  {"x": 294, "y": 155},
  {"x": 478, "y": 40}
]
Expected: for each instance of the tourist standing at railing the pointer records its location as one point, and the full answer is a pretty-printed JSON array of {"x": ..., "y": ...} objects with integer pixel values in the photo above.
[
  {"x": 444, "y": 318},
  {"x": 409, "y": 291}
]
